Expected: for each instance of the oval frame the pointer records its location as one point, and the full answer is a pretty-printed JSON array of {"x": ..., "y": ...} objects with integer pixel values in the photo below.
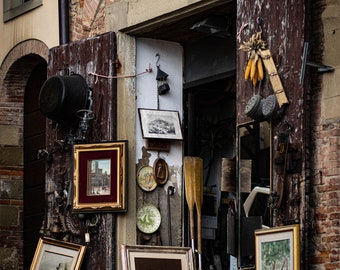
[{"x": 160, "y": 171}]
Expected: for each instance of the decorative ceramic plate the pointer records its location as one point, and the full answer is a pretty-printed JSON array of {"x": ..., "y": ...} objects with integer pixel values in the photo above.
[
  {"x": 145, "y": 178},
  {"x": 148, "y": 218}
]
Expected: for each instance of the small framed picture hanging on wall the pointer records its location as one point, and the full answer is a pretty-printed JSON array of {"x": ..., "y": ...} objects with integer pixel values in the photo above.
[{"x": 160, "y": 124}]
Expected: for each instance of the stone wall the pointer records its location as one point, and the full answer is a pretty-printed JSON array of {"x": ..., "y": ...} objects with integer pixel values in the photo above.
[{"x": 11, "y": 209}]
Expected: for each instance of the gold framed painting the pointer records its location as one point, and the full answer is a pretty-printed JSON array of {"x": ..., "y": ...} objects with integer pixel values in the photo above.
[
  {"x": 278, "y": 248},
  {"x": 140, "y": 257},
  {"x": 100, "y": 175},
  {"x": 56, "y": 254}
]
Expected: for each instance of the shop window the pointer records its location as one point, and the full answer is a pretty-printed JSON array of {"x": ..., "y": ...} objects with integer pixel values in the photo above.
[{"x": 15, "y": 8}]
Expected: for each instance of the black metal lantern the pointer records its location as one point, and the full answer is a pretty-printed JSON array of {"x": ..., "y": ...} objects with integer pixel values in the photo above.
[
  {"x": 161, "y": 78},
  {"x": 162, "y": 85}
]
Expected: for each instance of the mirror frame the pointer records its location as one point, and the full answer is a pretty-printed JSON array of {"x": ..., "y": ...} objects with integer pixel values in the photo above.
[{"x": 238, "y": 182}]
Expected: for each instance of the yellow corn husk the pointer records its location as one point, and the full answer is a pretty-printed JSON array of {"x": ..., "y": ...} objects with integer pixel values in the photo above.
[
  {"x": 259, "y": 69},
  {"x": 254, "y": 79},
  {"x": 248, "y": 68},
  {"x": 253, "y": 70}
]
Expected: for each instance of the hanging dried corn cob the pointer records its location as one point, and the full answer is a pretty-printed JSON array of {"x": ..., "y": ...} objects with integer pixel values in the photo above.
[
  {"x": 259, "y": 56},
  {"x": 254, "y": 68}
]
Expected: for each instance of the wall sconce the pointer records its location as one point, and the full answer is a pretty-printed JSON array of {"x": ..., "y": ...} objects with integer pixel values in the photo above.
[{"x": 161, "y": 78}]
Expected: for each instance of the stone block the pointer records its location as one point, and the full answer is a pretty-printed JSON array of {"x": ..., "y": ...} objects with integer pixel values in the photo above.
[
  {"x": 11, "y": 156},
  {"x": 9, "y": 258},
  {"x": 9, "y": 215},
  {"x": 11, "y": 189},
  {"x": 9, "y": 135}
]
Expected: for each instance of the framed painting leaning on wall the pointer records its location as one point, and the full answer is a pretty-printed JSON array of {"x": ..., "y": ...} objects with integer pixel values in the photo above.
[
  {"x": 56, "y": 254},
  {"x": 278, "y": 248}
]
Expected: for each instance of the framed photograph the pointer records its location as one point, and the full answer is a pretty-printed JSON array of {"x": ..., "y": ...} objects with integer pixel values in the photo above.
[
  {"x": 278, "y": 248},
  {"x": 100, "y": 175},
  {"x": 158, "y": 124},
  {"x": 140, "y": 257},
  {"x": 55, "y": 254}
]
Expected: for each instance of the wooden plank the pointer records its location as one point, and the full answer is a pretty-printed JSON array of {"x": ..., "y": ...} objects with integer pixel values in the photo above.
[
  {"x": 97, "y": 55},
  {"x": 274, "y": 77}
]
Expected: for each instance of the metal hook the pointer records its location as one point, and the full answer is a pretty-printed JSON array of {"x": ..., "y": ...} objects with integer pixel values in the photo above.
[
  {"x": 171, "y": 190},
  {"x": 157, "y": 55},
  {"x": 259, "y": 21}
]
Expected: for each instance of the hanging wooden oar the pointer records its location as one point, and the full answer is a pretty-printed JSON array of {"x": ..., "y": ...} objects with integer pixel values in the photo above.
[
  {"x": 198, "y": 190},
  {"x": 189, "y": 195}
]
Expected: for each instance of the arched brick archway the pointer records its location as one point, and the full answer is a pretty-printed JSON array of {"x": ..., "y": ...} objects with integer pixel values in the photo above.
[
  {"x": 27, "y": 47},
  {"x": 22, "y": 73},
  {"x": 14, "y": 73}
]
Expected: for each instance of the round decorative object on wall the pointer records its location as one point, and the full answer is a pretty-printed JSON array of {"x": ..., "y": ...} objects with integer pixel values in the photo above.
[
  {"x": 145, "y": 178},
  {"x": 160, "y": 171},
  {"x": 270, "y": 106},
  {"x": 254, "y": 107},
  {"x": 148, "y": 218}
]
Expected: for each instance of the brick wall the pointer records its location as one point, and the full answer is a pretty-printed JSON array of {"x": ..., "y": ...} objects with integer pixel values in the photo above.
[
  {"x": 11, "y": 172},
  {"x": 324, "y": 243},
  {"x": 324, "y": 246},
  {"x": 87, "y": 18},
  {"x": 11, "y": 212},
  {"x": 14, "y": 73}
]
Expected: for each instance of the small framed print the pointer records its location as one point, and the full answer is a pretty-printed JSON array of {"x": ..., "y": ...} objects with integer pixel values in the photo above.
[
  {"x": 143, "y": 257},
  {"x": 158, "y": 145},
  {"x": 100, "y": 175},
  {"x": 278, "y": 248},
  {"x": 160, "y": 124},
  {"x": 56, "y": 254}
]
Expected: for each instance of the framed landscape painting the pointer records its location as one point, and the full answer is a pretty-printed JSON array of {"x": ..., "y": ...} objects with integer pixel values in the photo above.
[
  {"x": 100, "y": 175},
  {"x": 160, "y": 124},
  {"x": 278, "y": 248}
]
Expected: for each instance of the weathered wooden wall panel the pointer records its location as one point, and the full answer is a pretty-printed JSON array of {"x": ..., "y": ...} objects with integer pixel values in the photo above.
[
  {"x": 95, "y": 55},
  {"x": 284, "y": 30}
]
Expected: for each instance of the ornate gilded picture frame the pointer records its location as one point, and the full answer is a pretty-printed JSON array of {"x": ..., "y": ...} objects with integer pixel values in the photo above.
[
  {"x": 278, "y": 248},
  {"x": 100, "y": 175},
  {"x": 56, "y": 254}
]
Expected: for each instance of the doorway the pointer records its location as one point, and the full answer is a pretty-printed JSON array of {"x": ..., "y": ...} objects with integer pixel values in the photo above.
[
  {"x": 210, "y": 133},
  {"x": 34, "y": 168}
]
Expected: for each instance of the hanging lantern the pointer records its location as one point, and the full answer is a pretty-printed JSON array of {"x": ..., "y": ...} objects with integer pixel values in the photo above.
[
  {"x": 161, "y": 78},
  {"x": 162, "y": 85}
]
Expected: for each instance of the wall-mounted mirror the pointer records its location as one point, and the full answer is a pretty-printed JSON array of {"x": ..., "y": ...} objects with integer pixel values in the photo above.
[{"x": 253, "y": 185}]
